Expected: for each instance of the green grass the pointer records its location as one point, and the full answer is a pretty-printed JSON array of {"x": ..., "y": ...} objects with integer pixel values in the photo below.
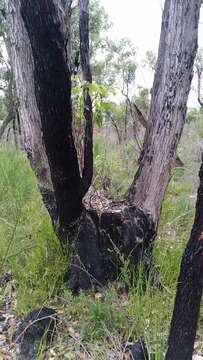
[
  {"x": 114, "y": 165},
  {"x": 29, "y": 247},
  {"x": 199, "y": 125},
  {"x": 144, "y": 312},
  {"x": 31, "y": 252}
]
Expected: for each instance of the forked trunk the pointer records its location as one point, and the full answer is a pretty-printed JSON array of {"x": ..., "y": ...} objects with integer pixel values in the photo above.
[{"x": 42, "y": 76}]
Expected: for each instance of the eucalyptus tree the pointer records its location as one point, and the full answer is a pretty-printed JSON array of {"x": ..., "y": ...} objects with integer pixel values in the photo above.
[{"x": 38, "y": 34}]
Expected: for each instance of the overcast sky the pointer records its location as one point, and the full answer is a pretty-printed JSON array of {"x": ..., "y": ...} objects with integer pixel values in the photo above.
[{"x": 140, "y": 20}]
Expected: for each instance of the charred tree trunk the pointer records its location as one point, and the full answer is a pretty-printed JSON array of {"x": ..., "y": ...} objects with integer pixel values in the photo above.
[
  {"x": 189, "y": 289},
  {"x": 23, "y": 70},
  {"x": 39, "y": 59},
  {"x": 44, "y": 90},
  {"x": 87, "y": 77}
]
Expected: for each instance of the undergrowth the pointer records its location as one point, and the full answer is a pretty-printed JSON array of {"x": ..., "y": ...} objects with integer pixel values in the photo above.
[
  {"x": 31, "y": 252},
  {"x": 113, "y": 165},
  {"x": 29, "y": 247}
]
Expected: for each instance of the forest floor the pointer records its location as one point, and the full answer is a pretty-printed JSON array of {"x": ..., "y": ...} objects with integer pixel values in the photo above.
[{"x": 92, "y": 325}]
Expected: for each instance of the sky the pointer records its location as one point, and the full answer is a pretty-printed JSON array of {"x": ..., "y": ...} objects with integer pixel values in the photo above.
[{"x": 140, "y": 21}]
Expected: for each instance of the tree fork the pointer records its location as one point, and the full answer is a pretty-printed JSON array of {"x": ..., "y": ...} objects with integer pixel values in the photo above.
[{"x": 44, "y": 91}]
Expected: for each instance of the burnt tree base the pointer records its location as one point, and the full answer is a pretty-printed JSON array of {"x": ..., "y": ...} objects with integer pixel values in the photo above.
[{"x": 105, "y": 239}]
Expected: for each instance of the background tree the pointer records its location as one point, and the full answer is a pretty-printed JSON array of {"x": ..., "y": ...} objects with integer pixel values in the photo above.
[
  {"x": 98, "y": 26},
  {"x": 9, "y": 109},
  {"x": 199, "y": 73},
  {"x": 150, "y": 61}
]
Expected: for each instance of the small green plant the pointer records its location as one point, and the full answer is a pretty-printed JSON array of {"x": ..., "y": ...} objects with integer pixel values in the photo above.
[
  {"x": 96, "y": 314},
  {"x": 100, "y": 96}
]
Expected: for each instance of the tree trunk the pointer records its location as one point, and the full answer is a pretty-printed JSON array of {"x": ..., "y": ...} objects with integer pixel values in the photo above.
[
  {"x": 23, "y": 70},
  {"x": 87, "y": 173},
  {"x": 137, "y": 114},
  {"x": 44, "y": 89},
  {"x": 189, "y": 289},
  {"x": 174, "y": 71},
  {"x": 126, "y": 227}
]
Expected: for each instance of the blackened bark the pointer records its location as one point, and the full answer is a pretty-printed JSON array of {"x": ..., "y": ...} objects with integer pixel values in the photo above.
[
  {"x": 53, "y": 94},
  {"x": 189, "y": 289},
  {"x": 23, "y": 71},
  {"x": 66, "y": 15},
  {"x": 38, "y": 325},
  {"x": 87, "y": 77},
  {"x": 118, "y": 232},
  {"x": 127, "y": 228}
]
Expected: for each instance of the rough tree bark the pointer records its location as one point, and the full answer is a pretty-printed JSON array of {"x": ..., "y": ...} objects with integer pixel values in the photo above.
[
  {"x": 174, "y": 71},
  {"x": 43, "y": 81},
  {"x": 137, "y": 114},
  {"x": 23, "y": 70},
  {"x": 189, "y": 289}
]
